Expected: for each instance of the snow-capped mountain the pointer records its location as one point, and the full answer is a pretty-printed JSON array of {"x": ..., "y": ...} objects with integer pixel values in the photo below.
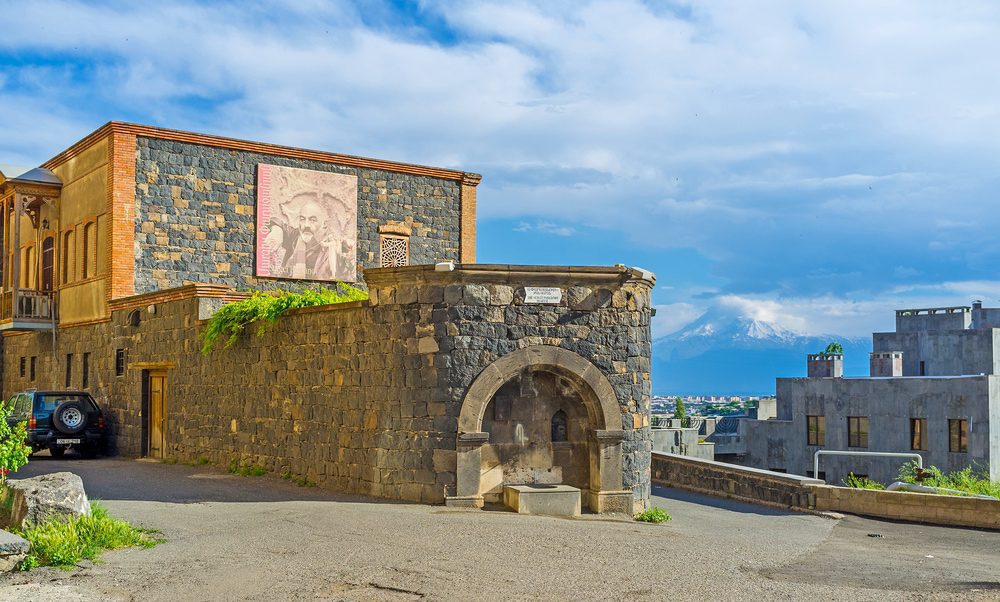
[{"x": 724, "y": 352}]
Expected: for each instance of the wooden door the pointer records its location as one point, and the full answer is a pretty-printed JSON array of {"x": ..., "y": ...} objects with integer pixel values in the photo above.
[{"x": 157, "y": 414}]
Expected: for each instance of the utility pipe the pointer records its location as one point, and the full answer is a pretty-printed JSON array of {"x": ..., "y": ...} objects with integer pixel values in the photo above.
[{"x": 831, "y": 452}]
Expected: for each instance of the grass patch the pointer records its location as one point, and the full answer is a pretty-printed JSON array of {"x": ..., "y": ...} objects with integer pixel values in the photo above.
[
  {"x": 170, "y": 461},
  {"x": 298, "y": 480},
  {"x": 246, "y": 470},
  {"x": 64, "y": 543},
  {"x": 653, "y": 515},
  {"x": 857, "y": 482}
]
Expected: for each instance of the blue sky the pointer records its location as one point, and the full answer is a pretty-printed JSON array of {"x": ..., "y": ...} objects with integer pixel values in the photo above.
[{"x": 817, "y": 164}]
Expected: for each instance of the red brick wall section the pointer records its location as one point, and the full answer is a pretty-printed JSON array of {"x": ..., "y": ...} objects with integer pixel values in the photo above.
[{"x": 121, "y": 214}]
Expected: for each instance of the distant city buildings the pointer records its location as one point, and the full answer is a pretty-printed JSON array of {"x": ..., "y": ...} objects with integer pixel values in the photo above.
[{"x": 934, "y": 390}]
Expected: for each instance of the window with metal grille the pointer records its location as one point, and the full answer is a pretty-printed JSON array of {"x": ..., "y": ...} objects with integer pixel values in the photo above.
[
  {"x": 119, "y": 362},
  {"x": 857, "y": 431},
  {"x": 21, "y": 371},
  {"x": 86, "y": 370},
  {"x": 816, "y": 430},
  {"x": 958, "y": 436},
  {"x": 394, "y": 251},
  {"x": 33, "y": 358},
  {"x": 69, "y": 370}
]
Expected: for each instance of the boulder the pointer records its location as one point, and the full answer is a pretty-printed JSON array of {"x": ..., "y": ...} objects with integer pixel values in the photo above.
[
  {"x": 39, "y": 499},
  {"x": 13, "y": 549}
]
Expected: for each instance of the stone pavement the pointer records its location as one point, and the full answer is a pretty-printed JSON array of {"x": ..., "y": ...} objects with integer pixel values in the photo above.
[{"x": 261, "y": 538}]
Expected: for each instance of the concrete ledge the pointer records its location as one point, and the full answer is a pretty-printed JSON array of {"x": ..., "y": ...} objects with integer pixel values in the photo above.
[
  {"x": 468, "y": 501},
  {"x": 616, "y": 502},
  {"x": 551, "y": 500},
  {"x": 916, "y": 507}
]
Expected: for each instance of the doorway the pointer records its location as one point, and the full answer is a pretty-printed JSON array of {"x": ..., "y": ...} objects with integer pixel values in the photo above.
[{"x": 156, "y": 416}]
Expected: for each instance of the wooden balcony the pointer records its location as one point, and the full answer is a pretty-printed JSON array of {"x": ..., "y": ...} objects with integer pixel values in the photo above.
[{"x": 25, "y": 309}]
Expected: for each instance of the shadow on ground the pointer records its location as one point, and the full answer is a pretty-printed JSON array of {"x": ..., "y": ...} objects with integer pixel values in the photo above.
[{"x": 150, "y": 480}]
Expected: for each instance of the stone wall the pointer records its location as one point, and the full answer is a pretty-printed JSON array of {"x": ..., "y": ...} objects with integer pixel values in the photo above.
[
  {"x": 196, "y": 214},
  {"x": 362, "y": 397},
  {"x": 734, "y": 482}
]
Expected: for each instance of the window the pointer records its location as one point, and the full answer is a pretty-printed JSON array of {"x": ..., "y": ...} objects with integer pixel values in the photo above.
[
  {"x": 90, "y": 250},
  {"x": 857, "y": 431},
  {"x": 918, "y": 434},
  {"x": 48, "y": 257},
  {"x": 822, "y": 475},
  {"x": 559, "y": 426},
  {"x": 816, "y": 430},
  {"x": 86, "y": 370},
  {"x": 33, "y": 367},
  {"x": 68, "y": 257},
  {"x": 778, "y": 469},
  {"x": 958, "y": 436},
  {"x": 119, "y": 362},
  {"x": 394, "y": 251},
  {"x": 27, "y": 267},
  {"x": 69, "y": 370},
  {"x": 923, "y": 370},
  {"x": 22, "y": 367}
]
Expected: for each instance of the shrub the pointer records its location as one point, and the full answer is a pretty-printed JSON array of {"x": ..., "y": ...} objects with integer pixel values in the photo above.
[
  {"x": 232, "y": 319},
  {"x": 653, "y": 515},
  {"x": 970, "y": 479},
  {"x": 14, "y": 451},
  {"x": 63, "y": 543},
  {"x": 857, "y": 482},
  {"x": 246, "y": 470}
]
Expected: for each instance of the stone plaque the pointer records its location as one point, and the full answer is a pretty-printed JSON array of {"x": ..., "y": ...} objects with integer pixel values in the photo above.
[{"x": 543, "y": 294}]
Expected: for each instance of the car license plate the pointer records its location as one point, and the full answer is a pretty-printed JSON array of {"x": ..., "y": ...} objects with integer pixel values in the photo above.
[{"x": 66, "y": 441}]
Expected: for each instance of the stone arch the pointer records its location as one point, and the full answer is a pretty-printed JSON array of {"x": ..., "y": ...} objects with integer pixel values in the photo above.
[
  {"x": 605, "y": 492},
  {"x": 599, "y": 396}
]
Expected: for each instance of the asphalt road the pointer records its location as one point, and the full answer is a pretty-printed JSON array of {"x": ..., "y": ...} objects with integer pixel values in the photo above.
[{"x": 260, "y": 538}]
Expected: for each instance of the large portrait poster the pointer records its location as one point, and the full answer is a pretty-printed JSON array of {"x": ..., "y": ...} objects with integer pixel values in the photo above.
[{"x": 307, "y": 224}]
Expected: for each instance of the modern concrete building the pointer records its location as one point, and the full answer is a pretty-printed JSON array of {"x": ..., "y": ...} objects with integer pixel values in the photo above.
[{"x": 934, "y": 390}]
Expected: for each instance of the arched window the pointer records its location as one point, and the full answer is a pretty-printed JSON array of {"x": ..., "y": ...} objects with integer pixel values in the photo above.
[
  {"x": 48, "y": 260},
  {"x": 559, "y": 427},
  {"x": 68, "y": 257},
  {"x": 90, "y": 250}
]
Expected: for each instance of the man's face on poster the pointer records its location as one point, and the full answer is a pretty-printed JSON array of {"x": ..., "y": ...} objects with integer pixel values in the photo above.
[{"x": 312, "y": 221}]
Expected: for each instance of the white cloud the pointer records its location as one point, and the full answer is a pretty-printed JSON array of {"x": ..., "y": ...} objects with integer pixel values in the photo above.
[
  {"x": 545, "y": 228},
  {"x": 672, "y": 317},
  {"x": 805, "y": 149}
]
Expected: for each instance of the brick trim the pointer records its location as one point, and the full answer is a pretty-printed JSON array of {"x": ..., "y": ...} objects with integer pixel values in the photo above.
[
  {"x": 117, "y": 128},
  {"x": 120, "y": 249},
  {"x": 467, "y": 219},
  {"x": 179, "y": 293}
]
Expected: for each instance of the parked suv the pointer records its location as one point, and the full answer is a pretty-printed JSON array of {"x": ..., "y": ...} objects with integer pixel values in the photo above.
[{"x": 58, "y": 420}]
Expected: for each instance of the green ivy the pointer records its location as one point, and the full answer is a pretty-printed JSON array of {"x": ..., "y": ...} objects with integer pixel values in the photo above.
[{"x": 265, "y": 308}]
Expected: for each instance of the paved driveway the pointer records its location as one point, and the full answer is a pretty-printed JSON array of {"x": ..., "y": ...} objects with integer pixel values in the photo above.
[{"x": 237, "y": 538}]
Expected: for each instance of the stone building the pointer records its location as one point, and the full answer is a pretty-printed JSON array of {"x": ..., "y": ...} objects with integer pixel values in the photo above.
[
  {"x": 452, "y": 381},
  {"x": 934, "y": 390}
]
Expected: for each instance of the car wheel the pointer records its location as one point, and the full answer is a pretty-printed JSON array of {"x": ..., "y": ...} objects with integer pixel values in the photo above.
[
  {"x": 57, "y": 452},
  {"x": 70, "y": 418}
]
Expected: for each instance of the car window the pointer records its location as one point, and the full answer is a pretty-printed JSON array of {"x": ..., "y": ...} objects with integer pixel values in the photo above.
[
  {"x": 48, "y": 402},
  {"x": 23, "y": 407}
]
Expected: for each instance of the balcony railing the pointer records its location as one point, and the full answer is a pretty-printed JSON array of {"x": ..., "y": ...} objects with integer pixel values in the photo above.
[{"x": 28, "y": 307}]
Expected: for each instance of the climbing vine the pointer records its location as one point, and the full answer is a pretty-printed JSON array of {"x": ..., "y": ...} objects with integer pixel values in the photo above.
[{"x": 265, "y": 308}]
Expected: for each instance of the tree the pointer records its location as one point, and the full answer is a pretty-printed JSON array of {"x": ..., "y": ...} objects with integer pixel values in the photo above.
[
  {"x": 834, "y": 348},
  {"x": 680, "y": 412}
]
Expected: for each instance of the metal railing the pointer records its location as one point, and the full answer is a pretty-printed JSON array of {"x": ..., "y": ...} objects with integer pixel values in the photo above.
[
  {"x": 830, "y": 452},
  {"x": 27, "y": 304}
]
